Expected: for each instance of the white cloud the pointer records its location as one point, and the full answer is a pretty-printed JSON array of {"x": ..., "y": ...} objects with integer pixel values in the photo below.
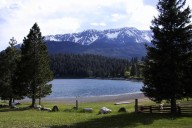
[
  {"x": 117, "y": 17},
  {"x": 66, "y": 16},
  {"x": 60, "y": 26},
  {"x": 99, "y": 24},
  {"x": 143, "y": 18},
  {"x": 189, "y": 2}
]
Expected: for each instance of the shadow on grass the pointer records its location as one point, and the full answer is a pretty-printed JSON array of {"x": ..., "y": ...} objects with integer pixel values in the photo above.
[
  {"x": 8, "y": 109},
  {"x": 121, "y": 120}
]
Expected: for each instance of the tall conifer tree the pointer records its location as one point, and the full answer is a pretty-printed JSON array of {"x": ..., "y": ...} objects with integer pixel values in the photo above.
[
  {"x": 168, "y": 58},
  {"x": 36, "y": 71},
  {"x": 9, "y": 60}
]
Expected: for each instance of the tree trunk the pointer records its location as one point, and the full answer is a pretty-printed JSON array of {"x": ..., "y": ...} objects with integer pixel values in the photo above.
[
  {"x": 33, "y": 102},
  {"x": 33, "y": 96},
  {"x": 173, "y": 106},
  {"x": 40, "y": 101},
  {"x": 10, "y": 102}
]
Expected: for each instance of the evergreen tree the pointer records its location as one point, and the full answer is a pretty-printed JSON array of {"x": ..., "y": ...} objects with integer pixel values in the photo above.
[
  {"x": 70, "y": 65},
  {"x": 133, "y": 71},
  {"x": 35, "y": 68},
  {"x": 9, "y": 60},
  {"x": 167, "y": 58},
  {"x": 188, "y": 79},
  {"x": 142, "y": 59},
  {"x": 138, "y": 69}
]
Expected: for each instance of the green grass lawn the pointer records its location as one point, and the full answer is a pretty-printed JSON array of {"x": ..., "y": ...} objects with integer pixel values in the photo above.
[{"x": 31, "y": 118}]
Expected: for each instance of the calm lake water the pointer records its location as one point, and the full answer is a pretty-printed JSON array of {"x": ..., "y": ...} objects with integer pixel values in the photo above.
[{"x": 66, "y": 88}]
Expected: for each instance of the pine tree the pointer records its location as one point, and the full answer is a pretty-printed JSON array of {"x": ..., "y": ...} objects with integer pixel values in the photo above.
[
  {"x": 133, "y": 71},
  {"x": 36, "y": 72},
  {"x": 168, "y": 56},
  {"x": 9, "y": 60},
  {"x": 138, "y": 69}
]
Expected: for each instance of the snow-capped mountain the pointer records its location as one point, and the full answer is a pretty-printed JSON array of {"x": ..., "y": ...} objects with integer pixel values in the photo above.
[
  {"x": 119, "y": 43},
  {"x": 120, "y": 36}
]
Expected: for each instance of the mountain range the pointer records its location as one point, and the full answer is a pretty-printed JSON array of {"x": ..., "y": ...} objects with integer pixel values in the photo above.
[{"x": 119, "y": 43}]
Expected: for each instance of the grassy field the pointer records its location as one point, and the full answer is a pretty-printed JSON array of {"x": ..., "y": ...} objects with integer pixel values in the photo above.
[{"x": 69, "y": 118}]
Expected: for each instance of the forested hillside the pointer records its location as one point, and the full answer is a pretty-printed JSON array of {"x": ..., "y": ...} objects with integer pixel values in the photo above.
[{"x": 70, "y": 65}]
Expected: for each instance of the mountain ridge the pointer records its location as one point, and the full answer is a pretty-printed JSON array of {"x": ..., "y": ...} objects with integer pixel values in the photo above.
[
  {"x": 123, "y": 43},
  {"x": 121, "y": 35}
]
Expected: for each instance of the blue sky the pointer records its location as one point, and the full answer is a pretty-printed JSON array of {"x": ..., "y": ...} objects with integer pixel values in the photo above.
[{"x": 68, "y": 16}]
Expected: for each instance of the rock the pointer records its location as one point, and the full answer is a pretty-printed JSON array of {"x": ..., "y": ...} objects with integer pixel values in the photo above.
[
  {"x": 122, "y": 109},
  {"x": 55, "y": 108},
  {"x": 90, "y": 110},
  {"x": 119, "y": 103},
  {"x": 17, "y": 103},
  {"x": 46, "y": 109},
  {"x": 13, "y": 105},
  {"x": 105, "y": 110},
  {"x": 37, "y": 106}
]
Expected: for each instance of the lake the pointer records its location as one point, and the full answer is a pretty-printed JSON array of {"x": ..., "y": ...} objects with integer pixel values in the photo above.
[{"x": 68, "y": 88}]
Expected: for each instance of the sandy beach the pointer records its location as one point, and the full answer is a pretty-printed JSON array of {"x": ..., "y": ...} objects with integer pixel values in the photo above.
[{"x": 113, "y": 98}]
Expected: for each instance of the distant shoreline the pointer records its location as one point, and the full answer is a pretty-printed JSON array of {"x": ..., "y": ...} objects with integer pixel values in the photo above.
[
  {"x": 112, "y": 98},
  {"x": 101, "y": 78}
]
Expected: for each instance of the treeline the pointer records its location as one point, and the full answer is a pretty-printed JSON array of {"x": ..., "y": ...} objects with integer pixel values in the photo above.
[
  {"x": 135, "y": 69},
  {"x": 81, "y": 66},
  {"x": 70, "y": 65}
]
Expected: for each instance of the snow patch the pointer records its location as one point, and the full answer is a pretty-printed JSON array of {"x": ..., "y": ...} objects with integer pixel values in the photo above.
[
  {"x": 129, "y": 33},
  {"x": 146, "y": 37},
  {"x": 94, "y": 38},
  {"x": 76, "y": 39},
  {"x": 137, "y": 41},
  {"x": 112, "y": 35},
  {"x": 51, "y": 38}
]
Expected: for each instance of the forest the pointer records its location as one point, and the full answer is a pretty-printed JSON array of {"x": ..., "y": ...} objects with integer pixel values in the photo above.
[{"x": 81, "y": 66}]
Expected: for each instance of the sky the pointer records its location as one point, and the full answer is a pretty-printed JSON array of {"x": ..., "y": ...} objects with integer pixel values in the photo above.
[{"x": 70, "y": 16}]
